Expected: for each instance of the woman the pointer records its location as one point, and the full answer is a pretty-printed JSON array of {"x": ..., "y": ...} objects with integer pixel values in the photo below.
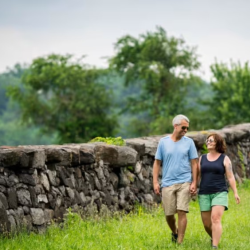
[{"x": 213, "y": 192}]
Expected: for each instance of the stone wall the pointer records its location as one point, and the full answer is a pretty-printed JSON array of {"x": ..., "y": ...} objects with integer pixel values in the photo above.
[{"x": 38, "y": 183}]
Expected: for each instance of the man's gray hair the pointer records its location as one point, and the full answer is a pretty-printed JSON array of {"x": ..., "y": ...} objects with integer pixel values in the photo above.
[{"x": 177, "y": 120}]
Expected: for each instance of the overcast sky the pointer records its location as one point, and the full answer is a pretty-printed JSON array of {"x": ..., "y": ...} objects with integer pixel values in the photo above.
[{"x": 32, "y": 28}]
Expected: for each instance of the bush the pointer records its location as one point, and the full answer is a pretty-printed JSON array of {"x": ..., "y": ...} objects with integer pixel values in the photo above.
[{"x": 110, "y": 140}]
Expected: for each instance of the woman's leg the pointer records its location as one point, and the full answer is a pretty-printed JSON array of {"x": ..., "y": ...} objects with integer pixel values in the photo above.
[
  {"x": 206, "y": 219},
  {"x": 216, "y": 215}
]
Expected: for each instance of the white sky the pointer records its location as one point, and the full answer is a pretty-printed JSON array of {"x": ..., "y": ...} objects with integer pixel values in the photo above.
[{"x": 32, "y": 28}]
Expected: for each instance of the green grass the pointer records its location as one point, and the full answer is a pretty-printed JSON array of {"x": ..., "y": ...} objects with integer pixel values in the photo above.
[{"x": 138, "y": 230}]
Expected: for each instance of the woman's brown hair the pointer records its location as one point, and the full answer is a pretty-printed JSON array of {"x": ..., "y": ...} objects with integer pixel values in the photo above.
[{"x": 220, "y": 145}]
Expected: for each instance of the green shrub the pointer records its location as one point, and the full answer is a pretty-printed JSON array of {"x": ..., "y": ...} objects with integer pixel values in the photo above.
[{"x": 110, "y": 140}]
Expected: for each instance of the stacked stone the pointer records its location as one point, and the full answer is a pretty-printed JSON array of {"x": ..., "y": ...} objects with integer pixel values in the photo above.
[{"x": 38, "y": 183}]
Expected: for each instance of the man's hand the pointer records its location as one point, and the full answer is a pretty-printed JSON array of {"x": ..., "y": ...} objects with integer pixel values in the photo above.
[
  {"x": 193, "y": 188},
  {"x": 157, "y": 188},
  {"x": 156, "y": 170}
]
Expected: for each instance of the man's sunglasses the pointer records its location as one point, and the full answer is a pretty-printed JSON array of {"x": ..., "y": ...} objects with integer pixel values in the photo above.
[{"x": 184, "y": 127}]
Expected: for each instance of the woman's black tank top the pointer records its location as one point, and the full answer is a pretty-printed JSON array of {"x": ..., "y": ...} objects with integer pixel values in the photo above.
[{"x": 212, "y": 176}]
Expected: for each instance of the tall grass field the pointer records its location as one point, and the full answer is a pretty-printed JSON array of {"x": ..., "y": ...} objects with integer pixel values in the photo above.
[{"x": 141, "y": 229}]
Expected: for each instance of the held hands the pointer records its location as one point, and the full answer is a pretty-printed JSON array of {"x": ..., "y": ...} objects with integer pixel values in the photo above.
[
  {"x": 157, "y": 188},
  {"x": 193, "y": 188}
]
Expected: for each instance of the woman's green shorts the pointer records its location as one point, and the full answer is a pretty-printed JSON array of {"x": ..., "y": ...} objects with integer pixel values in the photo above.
[{"x": 207, "y": 201}]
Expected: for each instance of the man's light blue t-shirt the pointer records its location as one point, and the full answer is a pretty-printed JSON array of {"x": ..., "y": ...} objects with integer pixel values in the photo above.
[{"x": 175, "y": 158}]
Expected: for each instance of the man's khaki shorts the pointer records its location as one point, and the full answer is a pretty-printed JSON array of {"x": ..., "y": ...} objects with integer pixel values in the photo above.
[{"x": 176, "y": 197}]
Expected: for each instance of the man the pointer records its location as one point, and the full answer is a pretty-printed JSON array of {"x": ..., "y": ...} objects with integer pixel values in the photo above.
[{"x": 174, "y": 154}]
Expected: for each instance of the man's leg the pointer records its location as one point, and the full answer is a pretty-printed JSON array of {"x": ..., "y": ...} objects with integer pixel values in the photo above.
[
  {"x": 169, "y": 205},
  {"x": 172, "y": 223},
  {"x": 182, "y": 225},
  {"x": 216, "y": 215},
  {"x": 207, "y": 223},
  {"x": 183, "y": 199}
]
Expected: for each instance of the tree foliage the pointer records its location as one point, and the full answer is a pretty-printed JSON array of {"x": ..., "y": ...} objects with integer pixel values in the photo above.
[
  {"x": 9, "y": 78},
  {"x": 151, "y": 77},
  {"x": 161, "y": 67},
  {"x": 231, "y": 85},
  {"x": 12, "y": 131},
  {"x": 3, "y": 97},
  {"x": 64, "y": 96}
]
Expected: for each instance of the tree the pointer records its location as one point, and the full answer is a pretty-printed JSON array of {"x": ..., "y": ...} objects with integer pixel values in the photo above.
[
  {"x": 9, "y": 78},
  {"x": 64, "y": 96},
  {"x": 3, "y": 97},
  {"x": 12, "y": 131},
  {"x": 231, "y": 86},
  {"x": 161, "y": 66}
]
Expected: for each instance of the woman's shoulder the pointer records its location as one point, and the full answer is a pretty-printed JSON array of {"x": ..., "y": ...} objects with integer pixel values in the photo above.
[
  {"x": 225, "y": 157},
  {"x": 203, "y": 156}
]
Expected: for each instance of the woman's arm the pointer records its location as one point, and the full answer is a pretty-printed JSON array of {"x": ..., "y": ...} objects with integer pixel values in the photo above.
[
  {"x": 193, "y": 186},
  {"x": 199, "y": 172},
  {"x": 230, "y": 177}
]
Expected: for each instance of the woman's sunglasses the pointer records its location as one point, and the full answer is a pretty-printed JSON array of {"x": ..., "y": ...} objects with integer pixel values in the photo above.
[{"x": 209, "y": 140}]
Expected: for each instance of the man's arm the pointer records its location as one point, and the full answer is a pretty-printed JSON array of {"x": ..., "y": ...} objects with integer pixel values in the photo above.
[
  {"x": 156, "y": 171},
  {"x": 230, "y": 177},
  {"x": 193, "y": 186}
]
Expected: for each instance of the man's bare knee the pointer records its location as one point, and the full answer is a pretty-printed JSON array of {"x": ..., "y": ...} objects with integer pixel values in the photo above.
[
  {"x": 170, "y": 218},
  {"x": 181, "y": 213}
]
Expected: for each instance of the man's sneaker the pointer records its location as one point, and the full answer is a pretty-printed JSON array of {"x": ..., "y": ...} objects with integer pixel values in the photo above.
[
  {"x": 214, "y": 247},
  {"x": 174, "y": 237}
]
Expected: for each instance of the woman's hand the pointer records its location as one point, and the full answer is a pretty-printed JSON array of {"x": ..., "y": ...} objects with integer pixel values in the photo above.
[{"x": 237, "y": 198}]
